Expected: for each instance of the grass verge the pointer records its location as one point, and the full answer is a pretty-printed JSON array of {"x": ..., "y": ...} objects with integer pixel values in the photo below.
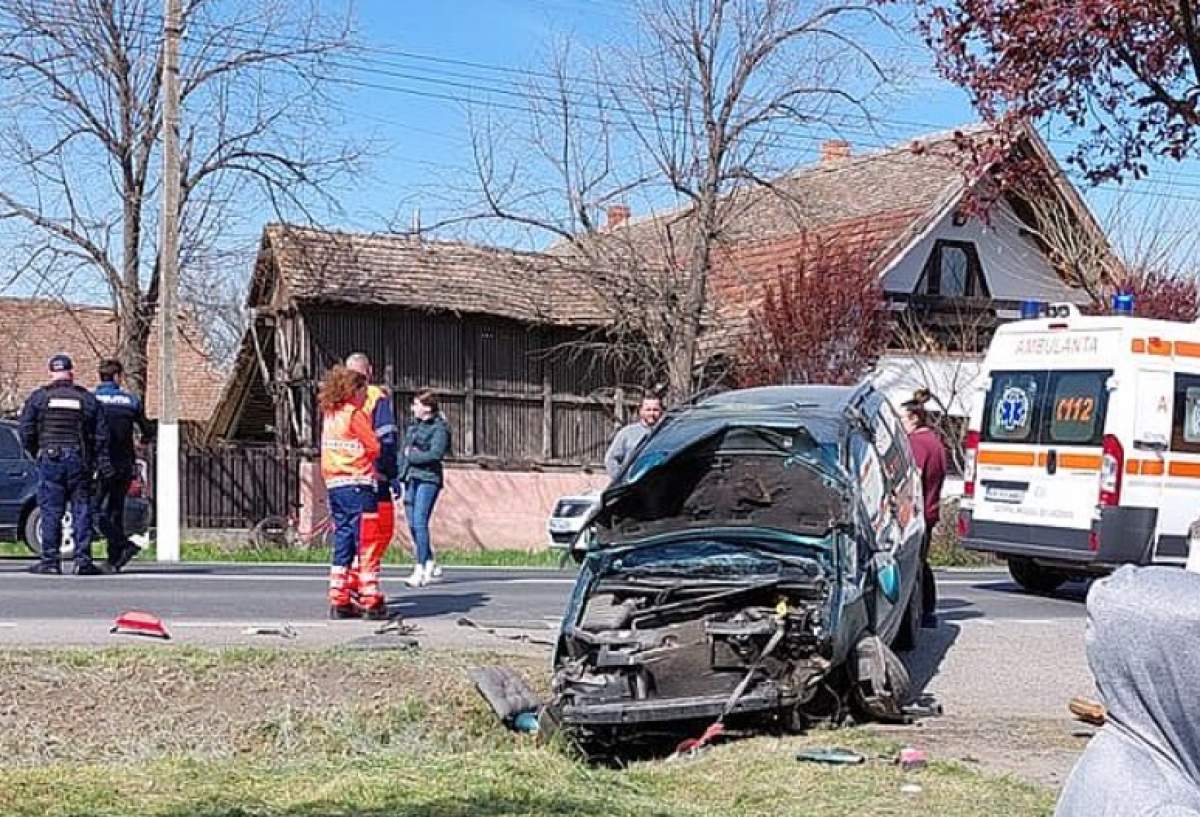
[{"x": 334, "y": 733}]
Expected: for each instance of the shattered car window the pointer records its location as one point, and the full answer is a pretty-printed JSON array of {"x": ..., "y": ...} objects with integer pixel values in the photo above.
[
  {"x": 729, "y": 477},
  {"x": 707, "y": 558}
]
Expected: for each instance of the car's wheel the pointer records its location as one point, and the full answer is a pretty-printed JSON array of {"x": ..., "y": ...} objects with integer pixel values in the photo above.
[
  {"x": 1035, "y": 578},
  {"x": 881, "y": 682},
  {"x": 910, "y": 625},
  {"x": 33, "y": 534}
]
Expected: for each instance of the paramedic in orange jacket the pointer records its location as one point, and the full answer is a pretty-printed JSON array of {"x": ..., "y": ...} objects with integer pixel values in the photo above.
[
  {"x": 348, "y": 451},
  {"x": 380, "y": 525}
]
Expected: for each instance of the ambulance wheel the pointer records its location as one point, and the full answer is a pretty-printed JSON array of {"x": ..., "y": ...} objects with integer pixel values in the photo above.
[{"x": 1034, "y": 578}]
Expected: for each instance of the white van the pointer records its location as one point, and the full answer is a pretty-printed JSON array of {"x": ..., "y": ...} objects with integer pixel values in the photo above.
[{"x": 1084, "y": 445}]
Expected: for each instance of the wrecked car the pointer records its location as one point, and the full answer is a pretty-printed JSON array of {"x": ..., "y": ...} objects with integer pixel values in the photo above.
[{"x": 755, "y": 559}]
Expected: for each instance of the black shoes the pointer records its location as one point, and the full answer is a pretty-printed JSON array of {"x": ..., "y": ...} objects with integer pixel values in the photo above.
[
  {"x": 88, "y": 569},
  {"x": 343, "y": 611},
  {"x": 123, "y": 557},
  {"x": 46, "y": 569}
]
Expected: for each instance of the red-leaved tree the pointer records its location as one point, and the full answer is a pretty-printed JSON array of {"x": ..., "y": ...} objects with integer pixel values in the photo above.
[
  {"x": 823, "y": 319},
  {"x": 1126, "y": 72}
]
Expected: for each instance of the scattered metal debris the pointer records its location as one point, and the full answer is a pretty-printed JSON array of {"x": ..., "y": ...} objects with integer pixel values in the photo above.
[
  {"x": 491, "y": 628},
  {"x": 282, "y": 630},
  {"x": 833, "y": 756},
  {"x": 398, "y": 626},
  {"x": 506, "y": 692},
  {"x": 910, "y": 789},
  {"x": 136, "y": 622},
  {"x": 926, "y": 706},
  {"x": 375, "y": 642}
]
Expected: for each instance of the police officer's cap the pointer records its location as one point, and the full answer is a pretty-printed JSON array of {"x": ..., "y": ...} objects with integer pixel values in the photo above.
[{"x": 61, "y": 363}]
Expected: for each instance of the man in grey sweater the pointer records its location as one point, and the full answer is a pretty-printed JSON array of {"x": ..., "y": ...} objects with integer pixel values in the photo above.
[
  {"x": 631, "y": 436},
  {"x": 1142, "y": 631}
]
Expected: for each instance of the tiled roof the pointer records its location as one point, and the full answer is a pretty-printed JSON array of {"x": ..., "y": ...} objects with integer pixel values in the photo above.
[
  {"x": 32, "y": 330},
  {"x": 394, "y": 270},
  {"x": 911, "y": 178}
]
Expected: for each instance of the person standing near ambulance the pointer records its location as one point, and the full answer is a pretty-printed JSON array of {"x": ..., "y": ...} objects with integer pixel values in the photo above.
[
  {"x": 348, "y": 451},
  {"x": 63, "y": 428},
  {"x": 123, "y": 413},
  {"x": 380, "y": 525},
  {"x": 930, "y": 454}
]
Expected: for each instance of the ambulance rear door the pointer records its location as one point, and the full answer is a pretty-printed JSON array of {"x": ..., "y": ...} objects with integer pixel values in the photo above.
[{"x": 1180, "y": 504}]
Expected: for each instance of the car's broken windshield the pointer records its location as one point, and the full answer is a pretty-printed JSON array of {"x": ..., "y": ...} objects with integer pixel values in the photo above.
[
  {"x": 714, "y": 559},
  {"x": 735, "y": 476}
]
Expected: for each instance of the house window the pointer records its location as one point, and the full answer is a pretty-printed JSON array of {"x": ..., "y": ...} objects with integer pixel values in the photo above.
[{"x": 953, "y": 271}]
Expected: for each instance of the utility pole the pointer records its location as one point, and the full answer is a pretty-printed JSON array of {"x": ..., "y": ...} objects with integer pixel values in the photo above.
[{"x": 166, "y": 491}]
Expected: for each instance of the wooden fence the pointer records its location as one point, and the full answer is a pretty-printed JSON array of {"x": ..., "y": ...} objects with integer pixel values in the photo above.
[{"x": 236, "y": 486}]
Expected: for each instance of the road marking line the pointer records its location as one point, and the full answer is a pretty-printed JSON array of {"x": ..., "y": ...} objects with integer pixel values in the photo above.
[
  {"x": 241, "y": 625},
  {"x": 522, "y": 581},
  {"x": 8, "y": 624}
]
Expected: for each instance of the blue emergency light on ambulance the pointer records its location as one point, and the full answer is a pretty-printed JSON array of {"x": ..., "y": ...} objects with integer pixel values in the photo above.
[
  {"x": 1122, "y": 303},
  {"x": 1030, "y": 310}
]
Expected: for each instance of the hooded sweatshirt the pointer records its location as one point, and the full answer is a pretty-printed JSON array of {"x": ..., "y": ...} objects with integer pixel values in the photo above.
[{"x": 1143, "y": 631}]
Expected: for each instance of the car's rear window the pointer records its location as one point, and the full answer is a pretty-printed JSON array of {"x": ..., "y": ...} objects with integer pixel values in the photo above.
[{"x": 1046, "y": 407}]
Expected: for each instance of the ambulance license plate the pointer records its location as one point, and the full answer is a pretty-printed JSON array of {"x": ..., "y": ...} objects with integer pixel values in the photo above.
[{"x": 1005, "y": 494}]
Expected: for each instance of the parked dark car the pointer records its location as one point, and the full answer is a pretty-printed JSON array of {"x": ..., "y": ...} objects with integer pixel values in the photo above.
[
  {"x": 19, "y": 515},
  {"x": 756, "y": 558}
]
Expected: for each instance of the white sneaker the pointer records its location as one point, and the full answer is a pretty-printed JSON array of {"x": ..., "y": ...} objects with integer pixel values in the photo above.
[
  {"x": 418, "y": 578},
  {"x": 432, "y": 571}
]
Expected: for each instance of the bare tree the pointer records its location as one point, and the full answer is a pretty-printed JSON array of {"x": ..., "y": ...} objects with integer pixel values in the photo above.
[
  {"x": 701, "y": 113},
  {"x": 80, "y": 81}
]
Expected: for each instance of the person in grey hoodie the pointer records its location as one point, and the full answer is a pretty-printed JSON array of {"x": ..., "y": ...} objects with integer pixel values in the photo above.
[
  {"x": 632, "y": 435},
  {"x": 1143, "y": 627}
]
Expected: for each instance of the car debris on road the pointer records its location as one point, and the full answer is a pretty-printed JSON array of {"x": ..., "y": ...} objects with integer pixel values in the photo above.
[
  {"x": 286, "y": 631},
  {"x": 136, "y": 622}
]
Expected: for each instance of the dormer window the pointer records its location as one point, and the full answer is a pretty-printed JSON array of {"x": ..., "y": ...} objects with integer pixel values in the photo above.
[{"x": 953, "y": 271}]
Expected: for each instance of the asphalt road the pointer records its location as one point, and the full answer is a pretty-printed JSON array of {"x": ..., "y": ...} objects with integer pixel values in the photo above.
[
  {"x": 996, "y": 655},
  {"x": 207, "y": 593}
]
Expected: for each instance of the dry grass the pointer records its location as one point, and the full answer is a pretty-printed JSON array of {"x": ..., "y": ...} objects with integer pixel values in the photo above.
[{"x": 323, "y": 734}]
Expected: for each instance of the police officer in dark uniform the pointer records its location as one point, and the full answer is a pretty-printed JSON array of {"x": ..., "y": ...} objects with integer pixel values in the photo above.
[
  {"x": 63, "y": 428},
  {"x": 123, "y": 412}
]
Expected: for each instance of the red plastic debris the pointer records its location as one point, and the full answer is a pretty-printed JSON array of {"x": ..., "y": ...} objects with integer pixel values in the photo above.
[
  {"x": 695, "y": 744},
  {"x": 138, "y": 623},
  {"x": 911, "y": 758}
]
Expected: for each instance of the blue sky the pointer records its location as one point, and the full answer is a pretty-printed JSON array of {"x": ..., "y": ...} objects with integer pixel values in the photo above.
[
  {"x": 426, "y": 139},
  {"x": 424, "y": 146}
]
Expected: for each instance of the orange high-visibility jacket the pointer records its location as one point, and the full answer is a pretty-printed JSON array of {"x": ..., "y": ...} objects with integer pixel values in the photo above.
[{"x": 348, "y": 447}]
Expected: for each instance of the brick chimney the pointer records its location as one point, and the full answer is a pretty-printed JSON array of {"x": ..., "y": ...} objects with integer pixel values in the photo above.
[
  {"x": 616, "y": 215},
  {"x": 834, "y": 149}
]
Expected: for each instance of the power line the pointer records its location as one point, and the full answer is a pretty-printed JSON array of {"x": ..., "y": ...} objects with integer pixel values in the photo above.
[{"x": 636, "y": 120}]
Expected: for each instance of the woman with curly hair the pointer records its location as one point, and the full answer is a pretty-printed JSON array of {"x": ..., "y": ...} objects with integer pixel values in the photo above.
[{"x": 348, "y": 451}]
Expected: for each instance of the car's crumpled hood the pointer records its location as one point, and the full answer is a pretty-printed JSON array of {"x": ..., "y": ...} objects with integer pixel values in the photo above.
[{"x": 724, "y": 472}]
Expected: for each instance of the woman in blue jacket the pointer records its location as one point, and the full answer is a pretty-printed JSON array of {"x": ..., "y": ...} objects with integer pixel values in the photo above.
[{"x": 426, "y": 443}]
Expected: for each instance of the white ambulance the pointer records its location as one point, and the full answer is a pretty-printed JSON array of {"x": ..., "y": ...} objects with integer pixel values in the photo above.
[{"x": 1084, "y": 445}]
